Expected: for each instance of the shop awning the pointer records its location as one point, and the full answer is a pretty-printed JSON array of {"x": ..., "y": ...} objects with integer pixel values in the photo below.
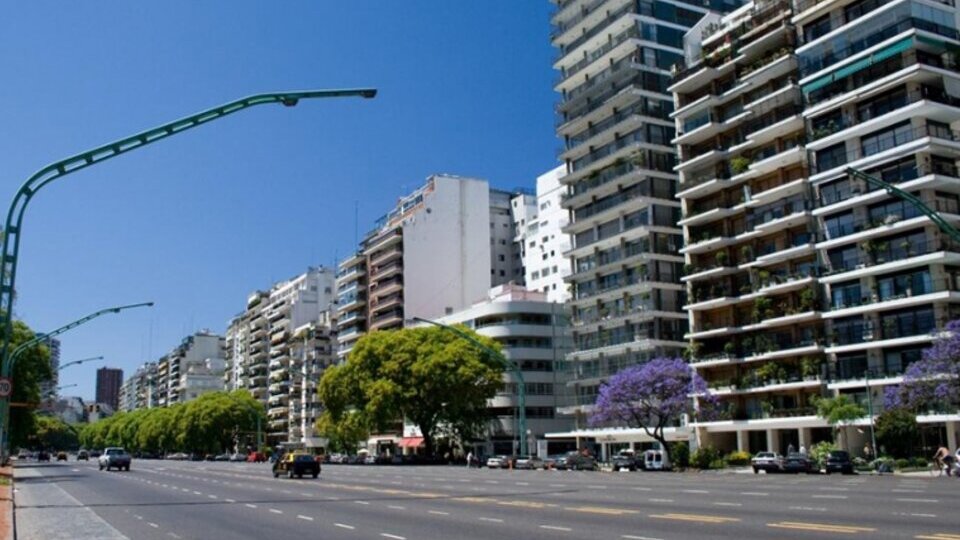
[{"x": 411, "y": 442}]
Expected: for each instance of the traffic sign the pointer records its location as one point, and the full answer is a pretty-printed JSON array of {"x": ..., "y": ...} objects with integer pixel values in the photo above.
[{"x": 6, "y": 387}]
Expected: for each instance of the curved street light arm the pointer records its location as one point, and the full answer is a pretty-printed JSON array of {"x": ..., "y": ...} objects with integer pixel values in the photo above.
[
  {"x": 77, "y": 362},
  {"x": 63, "y": 167}
]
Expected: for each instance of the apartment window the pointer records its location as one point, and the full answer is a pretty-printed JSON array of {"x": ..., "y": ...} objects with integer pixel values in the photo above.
[
  {"x": 502, "y": 258},
  {"x": 503, "y": 242},
  {"x": 909, "y": 284},
  {"x": 840, "y": 225},
  {"x": 845, "y": 295},
  {"x": 545, "y": 272},
  {"x": 886, "y": 139},
  {"x": 831, "y": 157},
  {"x": 502, "y": 273},
  {"x": 895, "y": 362},
  {"x": 535, "y": 275}
]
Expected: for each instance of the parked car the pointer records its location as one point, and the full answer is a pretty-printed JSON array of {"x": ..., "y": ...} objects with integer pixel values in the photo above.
[
  {"x": 579, "y": 461},
  {"x": 115, "y": 457},
  {"x": 43, "y": 456},
  {"x": 653, "y": 460},
  {"x": 839, "y": 461},
  {"x": 61, "y": 456},
  {"x": 626, "y": 460},
  {"x": 83, "y": 455},
  {"x": 256, "y": 457},
  {"x": 221, "y": 457},
  {"x": 238, "y": 457},
  {"x": 771, "y": 462},
  {"x": 178, "y": 456},
  {"x": 23, "y": 454},
  {"x": 554, "y": 461},
  {"x": 296, "y": 465},
  {"x": 498, "y": 462},
  {"x": 799, "y": 463},
  {"x": 528, "y": 462}
]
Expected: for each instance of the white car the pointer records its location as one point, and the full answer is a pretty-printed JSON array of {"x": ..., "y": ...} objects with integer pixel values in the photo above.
[
  {"x": 770, "y": 462},
  {"x": 114, "y": 458},
  {"x": 498, "y": 462}
]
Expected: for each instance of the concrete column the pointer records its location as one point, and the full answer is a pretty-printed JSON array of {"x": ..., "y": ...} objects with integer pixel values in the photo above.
[
  {"x": 952, "y": 435},
  {"x": 772, "y": 441},
  {"x": 805, "y": 437},
  {"x": 743, "y": 442}
]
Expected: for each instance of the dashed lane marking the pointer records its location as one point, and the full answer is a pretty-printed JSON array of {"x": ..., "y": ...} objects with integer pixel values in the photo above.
[
  {"x": 809, "y": 508},
  {"x": 661, "y": 500},
  {"x": 248, "y": 505},
  {"x": 829, "y": 497},
  {"x": 820, "y": 527},
  {"x": 154, "y": 525},
  {"x": 939, "y": 536},
  {"x": 695, "y": 517},
  {"x": 919, "y": 500},
  {"x": 438, "y": 513},
  {"x": 344, "y": 526},
  {"x": 361, "y": 502},
  {"x": 303, "y": 517},
  {"x": 632, "y": 537},
  {"x": 395, "y": 507},
  {"x": 173, "y": 535},
  {"x": 492, "y": 520},
  {"x": 555, "y": 528},
  {"x": 694, "y": 491},
  {"x": 755, "y": 493},
  {"x": 727, "y": 504},
  {"x": 393, "y": 536},
  {"x": 275, "y": 511}
]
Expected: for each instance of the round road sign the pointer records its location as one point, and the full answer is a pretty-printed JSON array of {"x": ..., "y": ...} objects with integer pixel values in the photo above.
[{"x": 6, "y": 387}]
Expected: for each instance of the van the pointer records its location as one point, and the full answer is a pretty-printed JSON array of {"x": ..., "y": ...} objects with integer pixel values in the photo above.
[{"x": 653, "y": 460}]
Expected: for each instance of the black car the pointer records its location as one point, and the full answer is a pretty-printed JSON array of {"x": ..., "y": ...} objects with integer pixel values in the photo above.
[
  {"x": 296, "y": 465},
  {"x": 799, "y": 463},
  {"x": 839, "y": 461},
  {"x": 43, "y": 456}
]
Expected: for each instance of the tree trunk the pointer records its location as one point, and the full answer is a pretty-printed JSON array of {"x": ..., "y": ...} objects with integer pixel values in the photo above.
[
  {"x": 427, "y": 443},
  {"x": 665, "y": 448}
]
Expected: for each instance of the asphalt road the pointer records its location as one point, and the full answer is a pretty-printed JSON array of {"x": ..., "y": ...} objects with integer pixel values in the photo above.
[{"x": 166, "y": 499}]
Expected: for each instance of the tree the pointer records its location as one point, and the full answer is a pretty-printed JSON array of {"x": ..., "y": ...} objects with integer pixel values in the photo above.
[
  {"x": 55, "y": 434},
  {"x": 430, "y": 376},
  {"x": 933, "y": 382},
  {"x": 32, "y": 368},
  {"x": 897, "y": 432},
  {"x": 343, "y": 435},
  {"x": 652, "y": 396},
  {"x": 838, "y": 411}
]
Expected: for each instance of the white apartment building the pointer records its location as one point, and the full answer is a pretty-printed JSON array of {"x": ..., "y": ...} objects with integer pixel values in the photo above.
[
  {"x": 139, "y": 391},
  {"x": 544, "y": 243},
  {"x": 534, "y": 334},
  {"x": 184, "y": 373}
]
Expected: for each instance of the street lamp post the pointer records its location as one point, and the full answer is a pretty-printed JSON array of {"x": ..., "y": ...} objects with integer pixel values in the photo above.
[
  {"x": 77, "y": 362},
  {"x": 12, "y": 230},
  {"x": 7, "y": 368},
  {"x": 873, "y": 430},
  {"x": 521, "y": 431}
]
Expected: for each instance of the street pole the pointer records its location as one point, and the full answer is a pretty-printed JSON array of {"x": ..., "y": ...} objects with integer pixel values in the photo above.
[
  {"x": 521, "y": 430},
  {"x": 6, "y": 369},
  {"x": 873, "y": 431},
  {"x": 77, "y": 362},
  {"x": 13, "y": 228}
]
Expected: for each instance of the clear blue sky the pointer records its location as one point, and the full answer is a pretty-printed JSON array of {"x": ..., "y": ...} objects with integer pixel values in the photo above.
[{"x": 197, "y": 222}]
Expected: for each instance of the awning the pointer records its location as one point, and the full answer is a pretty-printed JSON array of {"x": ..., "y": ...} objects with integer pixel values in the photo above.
[
  {"x": 887, "y": 52},
  {"x": 411, "y": 442}
]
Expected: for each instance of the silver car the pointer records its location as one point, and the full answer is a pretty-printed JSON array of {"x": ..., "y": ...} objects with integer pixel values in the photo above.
[
  {"x": 529, "y": 462},
  {"x": 115, "y": 458}
]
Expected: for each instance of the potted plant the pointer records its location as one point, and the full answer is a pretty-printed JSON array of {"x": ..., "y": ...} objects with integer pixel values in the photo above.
[
  {"x": 808, "y": 299},
  {"x": 730, "y": 348},
  {"x": 746, "y": 254},
  {"x": 740, "y": 164},
  {"x": 721, "y": 258},
  {"x": 809, "y": 367}
]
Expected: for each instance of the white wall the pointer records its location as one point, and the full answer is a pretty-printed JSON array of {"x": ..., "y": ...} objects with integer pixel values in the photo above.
[
  {"x": 446, "y": 248},
  {"x": 545, "y": 243}
]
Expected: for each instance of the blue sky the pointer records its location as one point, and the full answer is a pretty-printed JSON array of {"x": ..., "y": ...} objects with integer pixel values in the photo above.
[{"x": 198, "y": 221}]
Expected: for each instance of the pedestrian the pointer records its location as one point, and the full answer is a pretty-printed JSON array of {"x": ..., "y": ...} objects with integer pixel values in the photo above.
[
  {"x": 803, "y": 450},
  {"x": 790, "y": 449},
  {"x": 944, "y": 460},
  {"x": 867, "y": 452},
  {"x": 469, "y": 459}
]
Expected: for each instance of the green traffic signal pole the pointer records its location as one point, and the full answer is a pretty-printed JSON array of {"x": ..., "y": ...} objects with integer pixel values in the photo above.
[
  {"x": 13, "y": 228},
  {"x": 7, "y": 368},
  {"x": 512, "y": 366}
]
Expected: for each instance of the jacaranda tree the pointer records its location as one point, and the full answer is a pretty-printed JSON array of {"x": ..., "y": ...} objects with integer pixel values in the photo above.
[
  {"x": 653, "y": 396},
  {"x": 933, "y": 382}
]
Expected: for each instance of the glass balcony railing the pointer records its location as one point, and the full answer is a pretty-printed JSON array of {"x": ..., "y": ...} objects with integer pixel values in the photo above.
[{"x": 824, "y": 160}]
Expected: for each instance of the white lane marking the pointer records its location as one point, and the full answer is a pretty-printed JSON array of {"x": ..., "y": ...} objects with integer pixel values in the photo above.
[
  {"x": 248, "y": 505},
  {"x": 173, "y": 535},
  {"x": 829, "y": 497},
  {"x": 275, "y": 511},
  {"x": 558, "y": 485},
  {"x": 438, "y": 513},
  {"x": 920, "y": 500},
  {"x": 307, "y": 494},
  {"x": 395, "y": 537},
  {"x": 924, "y": 515},
  {"x": 361, "y": 502},
  {"x": 344, "y": 526},
  {"x": 138, "y": 517},
  {"x": 755, "y": 493},
  {"x": 694, "y": 491},
  {"x": 809, "y": 508},
  {"x": 307, "y": 518},
  {"x": 212, "y": 496},
  {"x": 154, "y": 525},
  {"x": 643, "y": 489},
  {"x": 728, "y": 504},
  {"x": 906, "y": 491},
  {"x": 632, "y": 537},
  {"x": 395, "y": 507},
  {"x": 523, "y": 483},
  {"x": 661, "y": 500},
  {"x": 197, "y": 493},
  {"x": 555, "y": 528},
  {"x": 230, "y": 500},
  {"x": 493, "y": 520}
]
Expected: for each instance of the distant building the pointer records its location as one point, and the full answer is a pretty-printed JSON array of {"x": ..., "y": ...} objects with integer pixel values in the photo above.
[
  {"x": 544, "y": 241},
  {"x": 69, "y": 409},
  {"x": 48, "y": 388},
  {"x": 97, "y": 411},
  {"x": 187, "y": 371},
  {"x": 109, "y": 381},
  {"x": 140, "y": 390}
]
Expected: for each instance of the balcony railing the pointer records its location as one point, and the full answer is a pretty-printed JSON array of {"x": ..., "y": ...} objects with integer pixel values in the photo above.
[
  {"x": 632, "y": 33},
  {"x": 821, "y": 161},
  {"x": 876, "y": 296},
  {"x": 895, "y": 250}
]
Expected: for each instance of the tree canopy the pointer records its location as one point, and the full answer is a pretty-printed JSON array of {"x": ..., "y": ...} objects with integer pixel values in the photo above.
[
  {"x": 208, "y": 424},
  {"x": 933, "y": 382},
  {"x": 839, "y": 410},
  {"x": 52, "y": 432},
  {"x": 652, "y": 396},
  {"x": 431, "y": 376},
  {"x": 32, "y": 368}
]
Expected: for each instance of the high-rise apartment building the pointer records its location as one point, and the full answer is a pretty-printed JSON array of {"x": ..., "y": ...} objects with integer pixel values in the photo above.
[
  {"x": 614, "y": 59},
  {"x": 265, "y": 351},
  {"x": 437, "y": 251},
  {"x": 191, "y": 369},
  {"x": 109, "y": 381},
  {"x": 543, "y": 241},
  {"x": 805, "y": 281},
  {"x": 140, "y": 390},
  {"x": 49, "y": 387}
]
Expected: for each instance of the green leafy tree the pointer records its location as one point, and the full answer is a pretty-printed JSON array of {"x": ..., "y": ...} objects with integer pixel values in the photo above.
[
  {"x": 897, "y": 432},
  {"x": 32, "y": 368},
  {"x": 838, "y": 411},
  {"x": 430, "y": 376},
  {"x": 54, "y": 434},
  {"x": 343, "y": 435}
]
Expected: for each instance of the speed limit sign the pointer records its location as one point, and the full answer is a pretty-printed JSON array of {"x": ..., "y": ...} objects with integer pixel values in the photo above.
[{"x": 6, "y": 387}]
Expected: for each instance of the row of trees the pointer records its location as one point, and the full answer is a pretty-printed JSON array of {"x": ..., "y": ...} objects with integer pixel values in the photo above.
[
  {"x": 33, "y": 368},
  {"x": 212, "y": 423},
  {"x": 432, "y": 377}
]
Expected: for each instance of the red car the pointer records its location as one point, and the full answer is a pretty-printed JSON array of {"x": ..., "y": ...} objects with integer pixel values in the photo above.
[{"x": 256, "y": 457}]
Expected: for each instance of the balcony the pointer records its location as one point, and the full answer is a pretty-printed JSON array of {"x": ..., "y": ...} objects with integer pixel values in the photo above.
[
  {"x": 824, "y": 161},
  {"x": 920, "y": 294},
  {"x": 633, "y": 32}
]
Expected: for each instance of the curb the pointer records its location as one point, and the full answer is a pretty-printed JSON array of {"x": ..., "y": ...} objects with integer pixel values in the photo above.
[{"x": 7, "y": 526}]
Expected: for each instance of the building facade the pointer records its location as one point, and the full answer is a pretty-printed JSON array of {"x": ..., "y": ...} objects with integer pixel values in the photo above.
[
  {"x": 140, "y": 390},
  {"x": 535, "y": 335},
  {"x": 614, "y": 60},
  {"x": 543, "y": 241},
  {"x": 49, "y": 387},
  {"x": 191, "y": 369},
  {"x": 109, "y": 381},
  {"x": 804, "y": 281}
]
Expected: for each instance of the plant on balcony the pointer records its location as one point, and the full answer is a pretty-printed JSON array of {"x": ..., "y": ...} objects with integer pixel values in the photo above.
[
  {"x": 762, "y": 309},
  {"x": 730, "y": 348},
  {"x": 873, "y": 248},
  {"x": 722, "y": 258},
  {"x": 689, "y": 269},
  {"x": 740, "y": 164},
  {"x": 746, "y": 254},
  {"x": 808, "y": 299},
  {"x": 692, "y": 352},
  {"x": 766, "y": 406},
  {"x": 906, "y": 246},
  {"x": 810, "y": 367}
]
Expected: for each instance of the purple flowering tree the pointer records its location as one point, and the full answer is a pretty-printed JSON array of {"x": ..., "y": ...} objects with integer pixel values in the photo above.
[
  {"x": 652, "y": 396},
  {"x": 933, "y": 381}
]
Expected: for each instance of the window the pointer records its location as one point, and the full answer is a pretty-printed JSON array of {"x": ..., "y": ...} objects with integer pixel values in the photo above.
[
  {"x": 831, "y": 157},
  {"x": 840, "y": 225},
  {"x": 502, "y": 258},
  {"x": 886, "y": 139},
  {"x": 845, "y": 295},
  {"x": 502, "y": 273}
]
